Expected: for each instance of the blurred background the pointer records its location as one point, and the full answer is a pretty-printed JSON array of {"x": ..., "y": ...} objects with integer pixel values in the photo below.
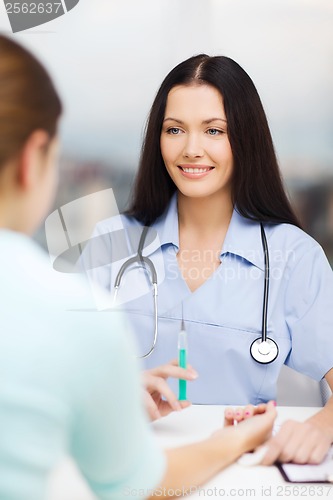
[{"x": 108, "y": 58}]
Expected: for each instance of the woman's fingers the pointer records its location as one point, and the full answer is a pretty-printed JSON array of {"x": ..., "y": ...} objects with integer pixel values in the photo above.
[
  {"x": 154, "y": 402},
  {"x": 162, "y": 398},
  {"x": 174, "y": 371},
  {"x": 185, "y": 404},
  {"x": 249, "y": 411},
  {"x": 151, "y": 406},
  {"x": 158, "y": 388},
  {"x": 261, "y": 408},
  {"x": 299, "y": 442},
  {"x": 175, "y": 362},
  {"x": 229, "y": 416},
  {"x": 165, "y": 391},
  {"x": 235, "y": 415},
  {"x": 165, "y": 409}
]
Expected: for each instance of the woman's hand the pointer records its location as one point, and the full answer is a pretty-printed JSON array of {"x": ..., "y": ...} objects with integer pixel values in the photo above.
[
  {"x": 159, "y": 398},
  {"x": 233, "y": 416},
  {"x": 298, "y": 442},
  {"x": 254, "y": 424}
]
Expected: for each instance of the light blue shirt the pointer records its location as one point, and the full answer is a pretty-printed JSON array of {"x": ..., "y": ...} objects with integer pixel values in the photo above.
[
  {"x": 224, "y": 315},
  {"x": 68, "y": 385}
]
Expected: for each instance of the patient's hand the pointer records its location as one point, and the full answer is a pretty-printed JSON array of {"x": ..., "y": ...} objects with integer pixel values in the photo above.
[
  {"x": 159, "y": 398},
  {"x": 254, "y": 423},
  {"x": 235, "y": 415}
]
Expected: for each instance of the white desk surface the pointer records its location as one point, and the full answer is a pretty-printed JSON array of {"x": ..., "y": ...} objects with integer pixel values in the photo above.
[{"x": 193, "y": 424}]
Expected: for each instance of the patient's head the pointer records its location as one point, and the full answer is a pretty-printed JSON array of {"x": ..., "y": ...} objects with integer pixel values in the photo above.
[{"x": 29, "y": 113}]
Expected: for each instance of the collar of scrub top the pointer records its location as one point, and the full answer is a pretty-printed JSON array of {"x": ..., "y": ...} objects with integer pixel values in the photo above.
[{"x": 243, "y": 237}]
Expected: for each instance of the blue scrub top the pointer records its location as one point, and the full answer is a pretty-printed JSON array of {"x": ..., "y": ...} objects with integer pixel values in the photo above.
[{"x": 224, "y": 315}]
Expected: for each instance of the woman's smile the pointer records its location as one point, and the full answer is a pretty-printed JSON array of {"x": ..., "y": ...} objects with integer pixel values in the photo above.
[{"x": 195, "y": 171}]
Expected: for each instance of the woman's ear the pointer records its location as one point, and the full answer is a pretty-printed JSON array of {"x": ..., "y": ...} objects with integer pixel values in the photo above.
[{"x": 32, "y": 159}]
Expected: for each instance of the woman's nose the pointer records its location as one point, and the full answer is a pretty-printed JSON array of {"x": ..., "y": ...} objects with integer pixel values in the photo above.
[{"x": 193, "y": 147}]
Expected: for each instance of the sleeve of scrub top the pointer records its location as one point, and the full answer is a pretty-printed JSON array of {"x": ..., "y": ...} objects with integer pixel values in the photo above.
[
  {"x": 113, "y": 444},
  {"x": 309, "y": 314}
]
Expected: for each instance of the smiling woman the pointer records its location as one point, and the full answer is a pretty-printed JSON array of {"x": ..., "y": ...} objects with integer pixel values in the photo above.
[
  {"x": 194, "y": 93},
  {"x": 210, "y": 186}
]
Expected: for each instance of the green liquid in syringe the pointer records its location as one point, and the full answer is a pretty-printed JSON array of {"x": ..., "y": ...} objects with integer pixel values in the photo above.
[{"x": 182, "y": 383}]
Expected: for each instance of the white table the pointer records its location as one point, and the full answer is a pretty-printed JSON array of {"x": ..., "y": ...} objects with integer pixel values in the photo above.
[
  {"x": 236, "y": 481},
  {"x": 194, "y": 424}
]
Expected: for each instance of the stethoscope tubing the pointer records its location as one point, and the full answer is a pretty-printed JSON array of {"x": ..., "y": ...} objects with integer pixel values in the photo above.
[
  {"x": 144, "y": 262},
  {"x": 270, "y": 345},
  {"x": 266, "y": 284}
]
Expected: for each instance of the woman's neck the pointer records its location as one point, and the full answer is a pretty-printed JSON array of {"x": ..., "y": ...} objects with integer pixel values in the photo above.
[{"x": 205, "y": 215}]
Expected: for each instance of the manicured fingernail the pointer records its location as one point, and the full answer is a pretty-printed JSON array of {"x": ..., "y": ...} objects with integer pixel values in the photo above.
[
  {"x": 237, "y": 414},
  {"x": 247, "y": 413},
  {"x": 274, "y": 403}
]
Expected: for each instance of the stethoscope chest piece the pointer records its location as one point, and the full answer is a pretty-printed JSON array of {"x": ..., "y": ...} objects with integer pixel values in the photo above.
[{"x": 264, "y": 352}]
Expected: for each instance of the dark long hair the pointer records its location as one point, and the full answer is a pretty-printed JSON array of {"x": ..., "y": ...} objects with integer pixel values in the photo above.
[
  {"x": 257, "y": 188},
  {"x": 28, "y": 99}
]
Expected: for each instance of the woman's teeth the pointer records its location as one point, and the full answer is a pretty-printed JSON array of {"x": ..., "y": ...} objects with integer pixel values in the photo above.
[{"x": 191, "y": 170}]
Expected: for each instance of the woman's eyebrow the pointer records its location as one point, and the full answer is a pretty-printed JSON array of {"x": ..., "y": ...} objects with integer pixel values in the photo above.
[
  {"x": 204, "y": 122},
  {"x": 173, "y": 120},
  {"x": 214, "y": 119}
]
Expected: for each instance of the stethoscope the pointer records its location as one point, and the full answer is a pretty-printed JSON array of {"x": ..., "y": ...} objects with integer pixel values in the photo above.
[
  {"x": 264, "y": 350},
  {"x": 146, "y": 263}
]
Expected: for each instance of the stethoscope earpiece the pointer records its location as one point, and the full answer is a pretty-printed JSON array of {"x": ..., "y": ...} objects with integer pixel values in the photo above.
[{"x": 264, "y": 352}]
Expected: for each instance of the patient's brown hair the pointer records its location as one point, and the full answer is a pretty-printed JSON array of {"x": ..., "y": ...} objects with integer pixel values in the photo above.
[{"x": 28, "y": 99}]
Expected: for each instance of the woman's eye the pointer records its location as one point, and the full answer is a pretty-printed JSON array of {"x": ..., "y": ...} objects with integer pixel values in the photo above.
[
  {"x": 214, "y": 131},
  {"x": 173, "y": 131}
]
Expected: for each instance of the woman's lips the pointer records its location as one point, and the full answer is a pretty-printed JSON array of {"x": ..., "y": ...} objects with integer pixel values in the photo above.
[{"x": 195, "y": 171}]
